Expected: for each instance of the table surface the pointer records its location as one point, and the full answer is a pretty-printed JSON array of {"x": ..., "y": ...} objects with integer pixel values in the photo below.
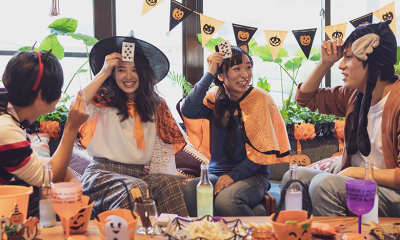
[{"x": 56, "y": 233}]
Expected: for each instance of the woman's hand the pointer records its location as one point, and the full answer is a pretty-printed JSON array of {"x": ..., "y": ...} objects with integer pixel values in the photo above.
[
  {"x": 214, "y": 61},
  {"x": 78, "y": 113},
  {"x": 223, "y": 182},
  {"x": 110, "y": 62},
  {"x": 331, "y": 51}
]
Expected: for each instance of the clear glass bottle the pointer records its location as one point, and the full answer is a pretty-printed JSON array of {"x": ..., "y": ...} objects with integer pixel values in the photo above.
[
  {"x": 373, "y": 214},
  {"x": 205, "y": 195},
  {"x": 46, "y": 211},
  {"x": 294, "y": 196}
]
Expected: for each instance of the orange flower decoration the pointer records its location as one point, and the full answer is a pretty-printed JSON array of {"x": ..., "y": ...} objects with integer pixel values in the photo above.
[
  {"x": 304, "y": 131},
  {"x": 339, "y": 127},
  {"x": 51, "y": 127}
]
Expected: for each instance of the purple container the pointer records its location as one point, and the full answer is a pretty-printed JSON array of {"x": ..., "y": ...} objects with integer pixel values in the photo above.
[{"x": 360, "y": 197}]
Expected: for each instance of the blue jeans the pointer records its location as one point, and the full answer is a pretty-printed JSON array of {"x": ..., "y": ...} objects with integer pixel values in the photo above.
[
  {"x": 235, "y": 200},
  {"x": 328, "y": 194}
]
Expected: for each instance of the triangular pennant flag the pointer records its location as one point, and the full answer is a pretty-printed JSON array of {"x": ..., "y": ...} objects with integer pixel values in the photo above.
[
  {"x": 150, "y": 4},
  {"x": 243, "y": 34},
  {"x": 305, "y": 38},
  {"x": 209, "y": 26},
  {"x": 178, "y": 13},
  {"x": 366, "y": 19},
  {"x": 275, "y": 40},
  {"x": 387, "y": 13},
  {"x": 337, "y": 31}
]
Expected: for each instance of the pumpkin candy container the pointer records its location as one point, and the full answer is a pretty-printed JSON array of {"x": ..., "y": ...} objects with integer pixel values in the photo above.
[
  {"x": 292, "y": 224},
  {"x": 80, "y": 222}
]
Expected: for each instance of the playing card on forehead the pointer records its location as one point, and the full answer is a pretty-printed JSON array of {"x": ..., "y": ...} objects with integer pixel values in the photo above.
[
  {"x": 225, "y": 48},
  {"x": 128, "y": 50}
]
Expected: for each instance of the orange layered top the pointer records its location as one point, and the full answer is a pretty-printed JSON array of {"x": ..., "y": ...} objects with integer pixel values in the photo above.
[
  {"x": 267, "y": 141},
  {"x": 167, "y": 130}
]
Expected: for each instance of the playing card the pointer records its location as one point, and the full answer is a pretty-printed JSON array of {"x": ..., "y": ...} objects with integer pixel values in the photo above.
[
  {"x": 225, "y": 48},
  {"x": 128, "y": 50}
]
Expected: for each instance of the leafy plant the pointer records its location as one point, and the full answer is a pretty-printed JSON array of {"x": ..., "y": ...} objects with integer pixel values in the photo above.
[
  {"x": 397, "y": 66},
  {"x": 59, "y": 115},
  {"x": 263, "y": 84},
  {"x": 180, "y": 80}
]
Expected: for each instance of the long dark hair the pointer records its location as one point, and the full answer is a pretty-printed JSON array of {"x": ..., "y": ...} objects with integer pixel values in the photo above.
[
  {"x": 21, "y": 73},
  {"x": 146, "y": 99},
  {"x": 235, "y": 59}
]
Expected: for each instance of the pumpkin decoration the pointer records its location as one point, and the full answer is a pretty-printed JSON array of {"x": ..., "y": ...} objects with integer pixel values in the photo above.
[
  {"x": 339, "y": 128},
  {"x": 302, "y": 131},
  {"x": 244, "y": 47},
  {"x": 208, "y": 29},
  {"x": 151, "y": 2},
  {"x": 363, "y": 23},
  {"x": 305, "y": 40},
  {"x": 336, "y": 35},
  {"x": 80, "y": 222},
  {"x": 387, "y": 16},
  {"x": 243, "y": 36},
  {"x": 300, "y": 159},
  {"x": 275, "y": 41},
  {"x": 177, "y": 14},
  {"x": 16, "y": 216}
]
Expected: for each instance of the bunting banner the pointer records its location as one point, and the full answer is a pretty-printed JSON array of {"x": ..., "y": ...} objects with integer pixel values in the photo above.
[
  {"x": 275, "y": 40},
  {"x": 209, "y": 26},
  {"x": 337, "y": 31},
  {"x": 366, "y": 19},
  {"x": 387, "y": 13},
  {"x": 150, "y": 4},
  {"x": 243, "y": 34},
  {"x": 305, "y": 38},
  {"x": 178, "y": 13}
]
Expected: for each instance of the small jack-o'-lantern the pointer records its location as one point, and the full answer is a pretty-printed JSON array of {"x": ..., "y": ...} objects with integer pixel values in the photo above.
[
  {"x": 292, "y": 225},
  {"x": 243, "y": 36},
  {"x": 300, "y": 159},
  {"x": 177, "y": 14},
  {"x": 16, "y": 216},
  {"x": 80, "y": 222},
  {"x": 363, "y": 23},
  {"x": 151, "y": 2},
  {"x": 275, "y": 41},
  {"x": 305, "y": 40},
  {"x": 337, "y": 35},
  {"x": 208, "y": 29},
  {"x": 387, "y": 16}
]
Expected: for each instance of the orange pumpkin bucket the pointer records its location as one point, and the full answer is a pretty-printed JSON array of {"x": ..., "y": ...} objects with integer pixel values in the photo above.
[
  {"x": 117, "y": 223},
  {"x": 11, "y": 195},
  {"x": 292, "y": 224},
  {"x": 80, "y": 222}
]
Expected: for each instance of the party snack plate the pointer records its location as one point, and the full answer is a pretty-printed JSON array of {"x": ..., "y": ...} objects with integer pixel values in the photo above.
[{"x": 182, "y": 226}]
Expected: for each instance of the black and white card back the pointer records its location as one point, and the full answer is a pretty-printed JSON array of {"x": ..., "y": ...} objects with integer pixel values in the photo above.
[
  {"x": 128, "y": 51},
  {"x": 225, "y": 48}
]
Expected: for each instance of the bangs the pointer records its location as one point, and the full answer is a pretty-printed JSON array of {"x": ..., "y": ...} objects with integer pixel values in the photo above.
[{"x": 236, "y": 58}]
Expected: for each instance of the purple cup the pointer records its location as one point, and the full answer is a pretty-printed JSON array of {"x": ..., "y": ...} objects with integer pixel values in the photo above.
[{"x": 360, "y": 197}]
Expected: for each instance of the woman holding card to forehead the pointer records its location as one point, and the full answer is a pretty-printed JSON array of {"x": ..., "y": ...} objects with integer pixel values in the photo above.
[
  {"x": 247, "y": 133},
  {"x": 129, "y": 127}
]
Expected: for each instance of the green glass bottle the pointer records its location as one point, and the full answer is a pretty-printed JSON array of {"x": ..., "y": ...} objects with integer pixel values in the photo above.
[{"x": 205, "y": 196}]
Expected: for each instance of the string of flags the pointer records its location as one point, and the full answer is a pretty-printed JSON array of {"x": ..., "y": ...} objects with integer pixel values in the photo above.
[{"x": 275, "y": 38}]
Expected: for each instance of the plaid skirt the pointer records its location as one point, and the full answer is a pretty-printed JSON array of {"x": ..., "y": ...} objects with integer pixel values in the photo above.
[{"x": 165, "y": 189}]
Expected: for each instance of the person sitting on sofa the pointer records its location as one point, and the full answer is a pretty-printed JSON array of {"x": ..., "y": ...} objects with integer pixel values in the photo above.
[
  {"x": 370, "y": 101},
  {"x": 129, "y": 127},
  {"x": 247, "y": 133},
  {"x": 33, "y": 82}
]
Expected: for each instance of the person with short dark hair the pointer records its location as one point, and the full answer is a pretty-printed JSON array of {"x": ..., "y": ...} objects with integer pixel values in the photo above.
[
  {"x": 33, "y": 81},
  {"x": 130, "y": 126},
  {"x": 245, "y": 133},
  {"x": 370, "y": 101}
]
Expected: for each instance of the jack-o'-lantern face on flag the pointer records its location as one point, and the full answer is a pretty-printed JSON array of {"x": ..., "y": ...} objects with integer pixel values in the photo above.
[
  {"x": 275, "y": 41},
  {"x": 387, "y": 13},
  {"x": 336, "y": 32},
  {"x": 150, "y": 4},
  {"x": 243, "y": 34},
  {"x": 305, "y": 39},
  {"x": 209, "y": 26},
  {"x": 179, "y": 12},
  {"x": 363, "y": 20}
]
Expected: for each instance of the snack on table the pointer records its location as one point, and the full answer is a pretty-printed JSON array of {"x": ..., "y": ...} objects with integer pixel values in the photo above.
[
  {"x": 322, "y": 229},
  {"x": 391, "y": 236},
  {"x": 208, "y": 230},
  {"x": 352, "y": 236}
]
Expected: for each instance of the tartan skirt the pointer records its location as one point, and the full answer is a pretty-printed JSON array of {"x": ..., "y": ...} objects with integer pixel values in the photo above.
[{"x": 101, "y": 174}]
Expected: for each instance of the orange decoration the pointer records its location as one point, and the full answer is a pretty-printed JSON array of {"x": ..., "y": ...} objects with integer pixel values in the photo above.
[
  {"x": 304, "y": 131},
  {"x": 322, "y": 229},
  {"x": 352, "y": 236},
  {"x": 339, "y": 127},
  {"x": 51, "y": 127}
]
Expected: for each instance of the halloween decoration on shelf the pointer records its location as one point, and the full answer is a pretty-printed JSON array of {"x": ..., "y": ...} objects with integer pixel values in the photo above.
[
  {"x": 25, "y": 230},
  {"x": 292, "y": 224},
  {"x": 366, "y": 19},
  {"x": 124, "y": 219},
  {"x": 339, "y": 128},
  {"x": 305, "y": 39},
  {"x": 275, "y": 40},
  {"x": 179, "y": 12},
  {"x": 16, "y": 217},
  {"x": 51, "y": 127},
  {"x": 302, "y": 131},
  {"x": 80, "y": 222}
]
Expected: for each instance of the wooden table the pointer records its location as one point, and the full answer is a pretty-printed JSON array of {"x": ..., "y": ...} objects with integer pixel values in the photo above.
[{"x": 56, "y": 233}]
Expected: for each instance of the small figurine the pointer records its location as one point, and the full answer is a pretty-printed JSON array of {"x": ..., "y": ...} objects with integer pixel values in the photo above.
[
  {"x": 116, "y": 228},
  {"x": 31, "y": 228},
  {"x": 16, "y": 216}
]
